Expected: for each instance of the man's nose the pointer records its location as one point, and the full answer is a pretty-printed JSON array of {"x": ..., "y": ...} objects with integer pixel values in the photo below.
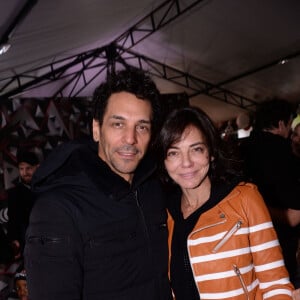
[{"x": 130, "y": 136}]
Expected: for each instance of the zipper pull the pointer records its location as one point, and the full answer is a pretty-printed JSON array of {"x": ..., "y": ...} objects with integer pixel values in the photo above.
[
  {"x": 239, "y": 275},
  {"x": 226, "y": 237}
]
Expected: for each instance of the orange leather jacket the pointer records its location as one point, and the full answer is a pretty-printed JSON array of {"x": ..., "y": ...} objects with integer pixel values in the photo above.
[{"x": 234, "y": 251}]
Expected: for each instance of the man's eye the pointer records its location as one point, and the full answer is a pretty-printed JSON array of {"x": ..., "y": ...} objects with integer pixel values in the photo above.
[
  {"x": 143, "y": 128},
  {"x": 117, "y": 125}
]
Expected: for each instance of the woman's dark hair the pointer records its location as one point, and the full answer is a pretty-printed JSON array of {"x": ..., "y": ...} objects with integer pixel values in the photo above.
[
  {"x": 133, "y": 81},
  {"x": 171, "y": 132}
]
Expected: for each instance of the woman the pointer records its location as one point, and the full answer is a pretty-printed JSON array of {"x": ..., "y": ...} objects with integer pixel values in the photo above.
[{"x": 222, "y": 242}]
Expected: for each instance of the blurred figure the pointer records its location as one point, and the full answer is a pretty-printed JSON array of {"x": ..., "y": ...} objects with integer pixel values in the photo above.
[
  {"x": 20, "y": 201},
  {"x": 269, "y": 163},
  {"x": 21, "y": 285},
  {"x": 295, "y": 136},
  {"x": 243, "y": 122},
  {"x": 221, "y": 239}
]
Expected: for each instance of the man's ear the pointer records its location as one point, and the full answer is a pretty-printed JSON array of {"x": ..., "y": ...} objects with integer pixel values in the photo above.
[{"x": 96, "y": 130}]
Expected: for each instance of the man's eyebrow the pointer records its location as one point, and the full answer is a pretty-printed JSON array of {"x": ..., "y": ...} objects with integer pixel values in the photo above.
[
  {"x": 144, "y": 121},
  {"x": 117, "y": 117}
]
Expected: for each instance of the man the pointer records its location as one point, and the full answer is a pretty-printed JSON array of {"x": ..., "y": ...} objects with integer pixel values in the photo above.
[
  {"x": 20, "y": 201},
  {"x": 269, "y": 164},
  {"x": 98, "y": 227}
]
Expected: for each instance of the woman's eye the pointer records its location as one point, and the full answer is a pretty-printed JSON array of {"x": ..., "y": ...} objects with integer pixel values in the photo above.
[
  {"x": 172, "y": 154},
  {"x": 199, "y": 149}
]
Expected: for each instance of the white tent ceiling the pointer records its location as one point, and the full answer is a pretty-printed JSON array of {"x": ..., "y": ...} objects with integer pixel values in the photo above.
[{"x": 225, "y": 54}]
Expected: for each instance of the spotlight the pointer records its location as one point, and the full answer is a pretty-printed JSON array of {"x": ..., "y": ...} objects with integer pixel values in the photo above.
[{"x": 4, "y": 48}]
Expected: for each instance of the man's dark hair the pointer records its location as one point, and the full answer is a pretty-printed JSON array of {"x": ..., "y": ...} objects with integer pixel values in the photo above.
[
  {"x": 133, "y": 81},
  {"x": 269, "y": 113},
  {"x": 27, "y": 157}
]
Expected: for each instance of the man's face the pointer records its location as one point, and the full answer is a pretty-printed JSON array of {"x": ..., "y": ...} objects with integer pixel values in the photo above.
[
  {"x": 124, "y": 134},
  {"x": 26, "y": 172}
]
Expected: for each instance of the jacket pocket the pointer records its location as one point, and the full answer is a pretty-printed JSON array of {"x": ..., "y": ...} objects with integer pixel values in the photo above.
[
  {"x": 227, "y": 236},
  {"x": 48, "y": 246}
]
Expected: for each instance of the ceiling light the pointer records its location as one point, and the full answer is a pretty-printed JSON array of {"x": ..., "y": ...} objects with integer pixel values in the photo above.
[
  {"x": 4, "y": 48},
  {"x": 284, "y": 61}
]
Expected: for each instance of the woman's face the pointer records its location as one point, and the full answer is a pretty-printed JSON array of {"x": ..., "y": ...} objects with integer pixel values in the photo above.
[{"x": 188, "y": 161}]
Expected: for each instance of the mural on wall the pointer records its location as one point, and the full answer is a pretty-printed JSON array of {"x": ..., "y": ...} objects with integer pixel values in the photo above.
[{"x": 38, "y": 125}]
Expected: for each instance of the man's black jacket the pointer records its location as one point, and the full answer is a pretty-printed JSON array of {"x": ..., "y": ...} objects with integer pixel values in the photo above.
[{"x": 91, "y": 234}]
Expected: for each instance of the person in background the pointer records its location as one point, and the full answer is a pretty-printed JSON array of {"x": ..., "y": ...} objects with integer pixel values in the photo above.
[
  {"x": 269, "y": 163},
  {"x": 20, "y": 201},
  {"x": 98, "y": 227},
  {"x": 221, "y": 239},
  {"x": 295, "y": 136},
  {"x": 21, "y": 285}
]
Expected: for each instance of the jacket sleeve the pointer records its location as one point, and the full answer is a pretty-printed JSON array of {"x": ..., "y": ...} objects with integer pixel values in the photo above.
[
  {"x": 53, "y": 251},
  {"x": 269, "y": 265}
]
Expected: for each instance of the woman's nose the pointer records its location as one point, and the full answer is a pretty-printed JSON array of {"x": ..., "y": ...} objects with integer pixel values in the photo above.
[{"x": 186, "y": 160}]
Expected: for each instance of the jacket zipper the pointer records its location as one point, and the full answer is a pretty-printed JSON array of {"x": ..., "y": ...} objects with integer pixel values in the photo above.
[
  {"x": 239, "y": 275},
  {"x": 227, "y": 236},
  {"x": 188, "y": 249}
]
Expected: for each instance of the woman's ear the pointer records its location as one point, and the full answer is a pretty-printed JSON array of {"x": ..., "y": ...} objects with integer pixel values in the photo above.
[{"x": 96, "y": 130}]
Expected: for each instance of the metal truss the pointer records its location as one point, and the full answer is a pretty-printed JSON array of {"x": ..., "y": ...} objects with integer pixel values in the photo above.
[
  {"x": 157, "y": 19},
  {"x": 101, "y": 60},
  {"x": 76, "y": 70},
  {"x": 106, "y": 59},
  {"x": 58, "y": 70},
  {"x": 194, "y": 84}
]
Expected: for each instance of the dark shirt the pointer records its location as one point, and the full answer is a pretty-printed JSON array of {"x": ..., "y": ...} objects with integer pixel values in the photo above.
[{"x": 182, "y": 279}]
